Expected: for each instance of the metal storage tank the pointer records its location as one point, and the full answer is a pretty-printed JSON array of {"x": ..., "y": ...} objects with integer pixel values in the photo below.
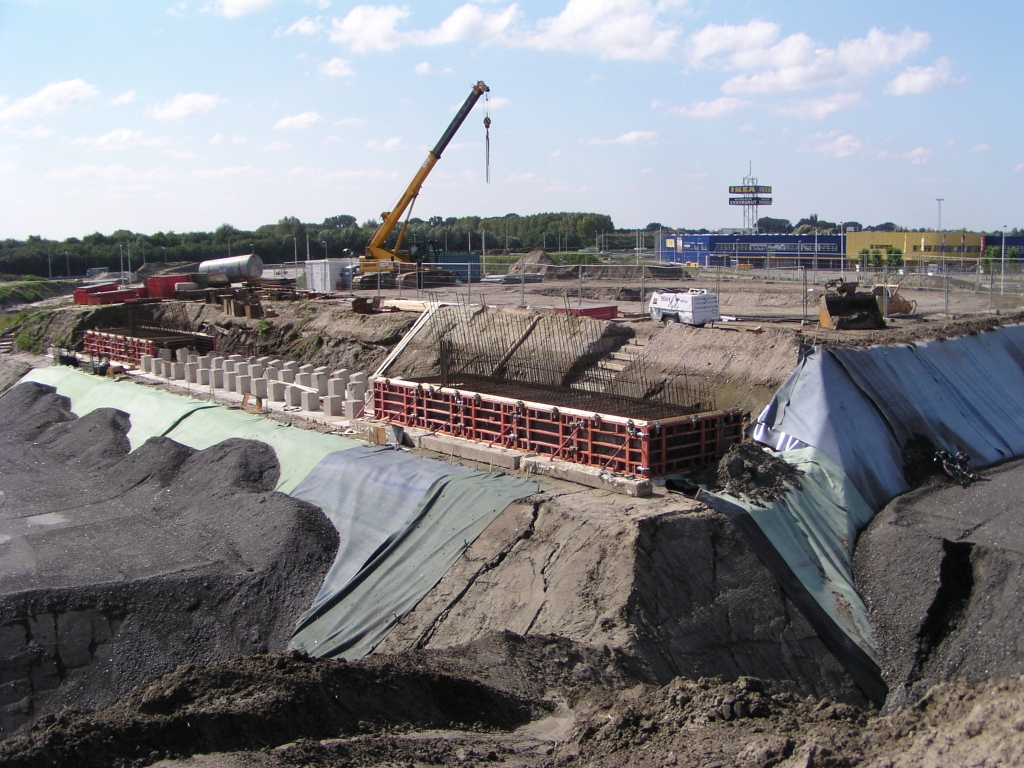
[{"x": 237, "y": 268}]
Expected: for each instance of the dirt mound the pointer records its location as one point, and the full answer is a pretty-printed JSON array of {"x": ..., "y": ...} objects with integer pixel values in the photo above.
[
  {"x": 10, "y": 372},
  {"x": 118, "y": 567},
  {"x": 534, "y": 261},
  {"x": 941, "y": 571},
  {"x": 749, "y": 471},
  {"x": 743, "y": 369}
]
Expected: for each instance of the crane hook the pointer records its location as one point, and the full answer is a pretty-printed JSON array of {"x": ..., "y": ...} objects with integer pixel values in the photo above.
[{"x": 487, "y": 136}]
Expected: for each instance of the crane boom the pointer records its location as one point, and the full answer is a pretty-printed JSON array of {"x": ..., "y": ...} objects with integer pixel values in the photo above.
[{"x": 375, "y": 251}]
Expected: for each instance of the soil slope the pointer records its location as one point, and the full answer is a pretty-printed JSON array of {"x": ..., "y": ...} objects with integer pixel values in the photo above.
[{"x": 117, "y": 567}]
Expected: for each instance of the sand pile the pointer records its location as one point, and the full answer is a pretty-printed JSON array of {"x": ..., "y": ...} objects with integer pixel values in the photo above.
[
  {"x": 535, "y": 261},
  {"x": 749, "y": 471}
]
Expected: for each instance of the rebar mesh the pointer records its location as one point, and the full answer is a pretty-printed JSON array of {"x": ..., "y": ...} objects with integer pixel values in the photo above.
[{"x": 551, "y": 358}]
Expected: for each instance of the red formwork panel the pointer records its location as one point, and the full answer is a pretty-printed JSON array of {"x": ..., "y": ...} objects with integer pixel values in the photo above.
[
  {"x": 609, "y": 312},
  {"x": 116, "y": 347},
  {"x": 610, "y": 443}
]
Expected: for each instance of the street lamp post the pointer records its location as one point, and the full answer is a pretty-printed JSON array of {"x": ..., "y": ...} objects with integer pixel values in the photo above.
[
  {"x": 1002, "y": 275},
  {"x": 939, "y": 200}
]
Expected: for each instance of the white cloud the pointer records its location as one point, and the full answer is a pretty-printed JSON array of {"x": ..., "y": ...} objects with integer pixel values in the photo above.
[
  {"x": 185, "y": 105},
  {"x": 51, "y": 98},
  {"x": 715, "y": 39},
  {"x": 423, "y": 68},
  {"x": 235, "y": 8},
  {"x": 276, "y": 146},
  {"x": 217, "y": 139},
  {"x": 817, "y": 109},
  {"x": 305, "y": 26},
  {"x": 122, "y": 138},
  {"x": 125, "y": 98},
  {"x": 332, "y": 139},
  {"x": 238, "y": 139},
  {"x": 118, "y": 173},
  {"x": 1019, "y": 167},
  {"x": 746, "y": 127},
  {"x": 336, "y": 67},
  {"x": 219, "y": 173},
  {"x": 918, "y": 156},
  {"x": 388, "y": 144},
  {"x": 633, "y": 137},
  {"x": 915, "y": 80},
  {"x": 556, "y": 154},
  {"x": 716, "y": 108},
  {"x": 303, "y": 120},
  {"x": 35, "y": 132},
  {"x": 796, "y": 62},
  {"x": 983, "y": 147},
  {"x": 832, "y": 145},
  {"x": 368, "y": 28},
  {"x": 613, "y": 29},
  {"x": 523, "y": 177}
]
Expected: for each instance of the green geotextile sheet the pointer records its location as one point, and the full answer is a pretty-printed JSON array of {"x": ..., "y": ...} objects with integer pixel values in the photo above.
[
  {"x": 156, "y": 413},
  {"x": 349, "y": 620},
  {"x": 807, "y": 539}
]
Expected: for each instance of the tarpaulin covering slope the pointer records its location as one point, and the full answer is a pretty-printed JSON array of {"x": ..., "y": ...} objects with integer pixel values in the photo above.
[
  {"x": 350, "y": 617},
  {"x": 806, "y": 539},
  {"x": 157, "y": 413},
  {"x": 860, "y": 406}
]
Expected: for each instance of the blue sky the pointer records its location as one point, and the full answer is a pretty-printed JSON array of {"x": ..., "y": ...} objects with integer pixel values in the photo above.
[{"x": 186, "y": 115}]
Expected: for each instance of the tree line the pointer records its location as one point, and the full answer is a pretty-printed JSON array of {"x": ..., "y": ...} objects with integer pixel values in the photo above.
[{"x": 335, "y": 237}]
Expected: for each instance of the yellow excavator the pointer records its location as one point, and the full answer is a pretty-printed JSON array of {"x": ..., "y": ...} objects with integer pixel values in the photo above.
[{"x": 380, "y": 266}]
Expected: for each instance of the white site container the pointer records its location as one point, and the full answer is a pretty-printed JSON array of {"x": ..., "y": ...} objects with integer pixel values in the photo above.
[
  {"x": 694, "y": 306},
  {"x": 329, "y": 275}
]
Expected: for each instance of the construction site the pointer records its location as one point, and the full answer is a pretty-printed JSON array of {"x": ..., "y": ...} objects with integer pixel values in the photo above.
[{"x": 550, "y": 514}]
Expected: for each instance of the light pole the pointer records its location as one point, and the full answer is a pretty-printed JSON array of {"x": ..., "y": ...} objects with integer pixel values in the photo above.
[
  {"x": 939, "y": 200},
  {"x": 1002, "y": 275}
]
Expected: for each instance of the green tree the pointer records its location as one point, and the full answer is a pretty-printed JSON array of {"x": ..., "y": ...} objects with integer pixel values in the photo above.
[
  {"x": 771, "y": 226},
  {"x": 863, "y": 257},
  {"x": 894, "y": 257}
]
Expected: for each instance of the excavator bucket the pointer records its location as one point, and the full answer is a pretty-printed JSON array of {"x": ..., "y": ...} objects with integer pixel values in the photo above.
[
  {"x": 850, "y": 312},
  {"x": 897, "y": 305}
]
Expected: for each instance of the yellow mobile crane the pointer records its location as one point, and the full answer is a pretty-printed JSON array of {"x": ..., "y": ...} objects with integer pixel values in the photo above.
[{"x": 379, "y": 259}]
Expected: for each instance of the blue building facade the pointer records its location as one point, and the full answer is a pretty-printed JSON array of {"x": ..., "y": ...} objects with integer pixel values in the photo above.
[{"x": 751, "y": 251}]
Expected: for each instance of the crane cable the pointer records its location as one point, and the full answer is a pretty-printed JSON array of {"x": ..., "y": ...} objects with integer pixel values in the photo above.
[{"x": 487, "y": 136}]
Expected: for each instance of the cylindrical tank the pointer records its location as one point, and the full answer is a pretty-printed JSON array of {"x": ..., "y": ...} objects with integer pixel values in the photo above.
[{"x": 237, "y": 268}]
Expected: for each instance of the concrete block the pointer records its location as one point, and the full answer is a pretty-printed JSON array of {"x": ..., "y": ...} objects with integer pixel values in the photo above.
[
  {"x": 354, "y": 409},
  {"x": 146, "y": 363},
  {"x": 181, "y": 356},
  {"x": 293, "y": 395},
  {"x": 177, "y": 371},
  {"x": 336, "y": 387},
  {"x": 361, "y": 377},
  {"x": 588, "y": 476},
  {"x": 356, "y": 391},
  {"x": 203, "y": 377},
  {"x": 190, "y": 372},
  {"x": 206, "y": 361},
  {"x": 310, "y": 401},
  {"x": 157, "y": 367},
  {"x": 341, "y": 373},
  {"x": 321, "y": 369},
  {"x": 287, "y": 375},
  {"x": 264, "y": 361},
  {"x": 256, "y": 370},
  {"x": 304, "y": 379},
  {"x": 471, "y": 450},
  {"x": 230, "y": 380},
  {"x": 242, "y": 369},
  {"x": 251, "y": 359},
  {"x": 320, "y": 383},
  {"x": 275, "y": 364},
  {"x": 192, "y": 358},
  {"x": 271, "y": 373},
  {"x": 259, "y": 388},
  {"x": 217, "y": 363},
  {"x": 334, "y": 405},
  {"x": 236, "y": 358},
  {"x": 243, "y": 384},
  {"x": 291, "y": 365},
  {"x": 307, "y": 368},
  {"x": 277, "y": 390},
  {"x": 217, "y": 378},
  {"x": 229, "y": 366}
]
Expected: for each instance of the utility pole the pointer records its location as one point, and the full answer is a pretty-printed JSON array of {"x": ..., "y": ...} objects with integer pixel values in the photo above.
[
  {"x": 1002, "y": 275},
  {"x": 939, "y": 200}
]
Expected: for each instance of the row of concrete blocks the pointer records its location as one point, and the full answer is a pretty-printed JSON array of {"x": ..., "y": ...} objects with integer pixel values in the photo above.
[{"x": 339, "y": 393}]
